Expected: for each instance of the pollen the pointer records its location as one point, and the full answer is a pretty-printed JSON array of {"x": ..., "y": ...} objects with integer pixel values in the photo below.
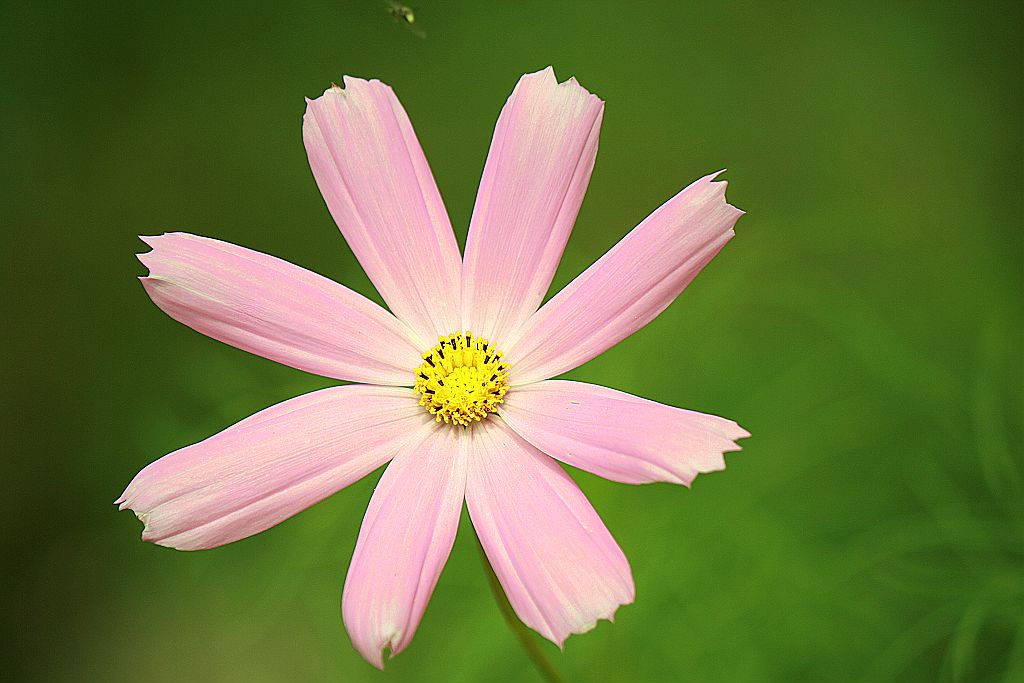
[{"x": 462, "y": 379}]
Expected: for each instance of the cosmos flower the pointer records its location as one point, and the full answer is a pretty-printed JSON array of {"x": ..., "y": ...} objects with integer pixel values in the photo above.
[{"x": 452, "y": 386}]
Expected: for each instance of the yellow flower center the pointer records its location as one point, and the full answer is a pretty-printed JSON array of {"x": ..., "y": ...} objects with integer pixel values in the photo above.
[{"x": 462, "y": 379}]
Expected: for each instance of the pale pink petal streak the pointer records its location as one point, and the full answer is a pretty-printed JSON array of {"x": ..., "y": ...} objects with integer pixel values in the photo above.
[
  {"x": 537, "y": 171},
  {"x": 277, "y": 310},
  {"x": 560, "y": 567},
  {"x": 270, "y": 466},
  {"x": 627, "y": 287},
  {"x": 617, "y": 435},
  {"x": 404, "y": 541},
  {"x": 379, "y": 189}
]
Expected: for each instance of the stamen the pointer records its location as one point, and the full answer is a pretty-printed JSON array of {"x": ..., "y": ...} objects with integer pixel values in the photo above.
[{"x": 464, "y": 386}]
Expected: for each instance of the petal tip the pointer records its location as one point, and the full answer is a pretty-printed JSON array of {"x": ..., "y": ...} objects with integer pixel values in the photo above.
[
  {"x": 148, "y": 535},
  {"x": 573, "y": 84},
  {"x": 167, "y": 240},
  {"x": 355, "y": 84},
  {"x": 712, "y": 180},
  {"x": 380, "y": 652},
  {"x": 720, "y": 187},
  {"x": 548, "y": 71},
  {"x": 146, "y": 257},
  {"x": 333, "y": 90},
  {"x": 589, "y": 626},
  {"x": 152, "y": 241},
  {"x": 548, "y": 74}
]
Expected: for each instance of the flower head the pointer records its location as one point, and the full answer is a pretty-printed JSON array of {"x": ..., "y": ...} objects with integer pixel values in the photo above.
[{"x": 452, "y": 386}]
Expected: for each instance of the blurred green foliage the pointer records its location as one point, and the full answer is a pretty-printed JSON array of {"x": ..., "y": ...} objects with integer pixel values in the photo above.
[{"x": 865, "y": 326}]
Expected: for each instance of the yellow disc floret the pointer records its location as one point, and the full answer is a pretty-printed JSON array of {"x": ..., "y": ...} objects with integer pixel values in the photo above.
[{"x": 462, "y": 379}]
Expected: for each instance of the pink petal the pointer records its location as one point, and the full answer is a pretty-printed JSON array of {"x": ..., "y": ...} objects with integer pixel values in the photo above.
[
  {"x": 617, "y": 435},
  {"x": 404, "y": 542},
  {"x": 270, "y": 466},
  {"x": 381, "y": 193},
  {"x": 628, "y": 287},
  {"x": 533, "y": 184},
  {"x": 277, "y": 310},
  {"x": 559, "y": 566}
]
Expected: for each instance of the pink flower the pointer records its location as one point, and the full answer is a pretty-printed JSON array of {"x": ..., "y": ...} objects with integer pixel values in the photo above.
[{"x": 482, "y": 422}]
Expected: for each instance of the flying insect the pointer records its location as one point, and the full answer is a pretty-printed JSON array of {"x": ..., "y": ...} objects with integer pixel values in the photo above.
[{"x": 406, "y": 16}]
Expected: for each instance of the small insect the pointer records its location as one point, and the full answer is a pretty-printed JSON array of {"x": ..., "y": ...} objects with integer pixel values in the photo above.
[{"x": 406, "y": 16}]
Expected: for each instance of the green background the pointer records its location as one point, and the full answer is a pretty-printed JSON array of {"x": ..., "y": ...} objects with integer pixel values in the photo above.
[{"x": 865, "y": 325}]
